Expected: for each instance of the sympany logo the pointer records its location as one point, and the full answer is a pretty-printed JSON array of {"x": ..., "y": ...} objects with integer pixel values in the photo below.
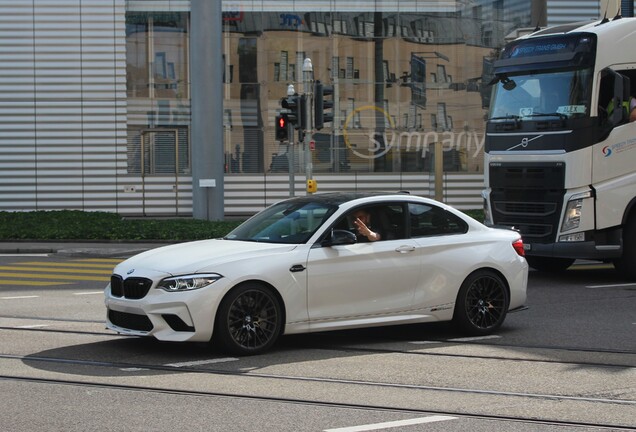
[{"x": 369, "y": 143}]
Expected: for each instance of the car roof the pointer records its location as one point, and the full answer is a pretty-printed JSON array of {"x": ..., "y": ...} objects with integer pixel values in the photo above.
[{"x": 338, "y": 198}]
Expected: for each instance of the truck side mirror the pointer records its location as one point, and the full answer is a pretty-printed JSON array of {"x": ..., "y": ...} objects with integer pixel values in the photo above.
[{"x": 619, "y": 114}]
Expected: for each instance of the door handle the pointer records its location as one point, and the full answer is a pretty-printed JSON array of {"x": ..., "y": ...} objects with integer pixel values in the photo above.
[{"x": 405, "y": 249}]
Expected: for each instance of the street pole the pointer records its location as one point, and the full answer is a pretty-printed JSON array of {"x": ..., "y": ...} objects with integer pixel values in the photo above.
[
  {"x": 290, "y": 150},
  {"x": 207, "y": 117},
  {"x": 308, "y": 89}
]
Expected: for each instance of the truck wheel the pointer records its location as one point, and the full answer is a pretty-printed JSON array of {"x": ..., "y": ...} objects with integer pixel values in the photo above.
[
  {"x": 626, "y": 265},
  {"x": 549, "y": 264}
]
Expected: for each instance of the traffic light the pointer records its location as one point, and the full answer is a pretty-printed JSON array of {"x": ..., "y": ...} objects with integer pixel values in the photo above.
[
  {"x": 282, "y": 133},
  {"x": 321, "y": 104},
  {"x": 295, "y": 105}
]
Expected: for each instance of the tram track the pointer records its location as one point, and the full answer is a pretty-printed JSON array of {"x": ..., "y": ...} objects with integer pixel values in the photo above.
[
  {"x": 322, "y": 403},
  {"x": 414, "y": 352},
  {"x": 126, "y": 371}
]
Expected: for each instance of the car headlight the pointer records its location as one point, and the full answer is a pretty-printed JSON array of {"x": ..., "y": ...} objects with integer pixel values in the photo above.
[{"x": 188, "y": 282}]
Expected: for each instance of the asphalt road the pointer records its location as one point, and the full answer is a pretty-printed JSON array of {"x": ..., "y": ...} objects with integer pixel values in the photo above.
[{"x": 568, "y": 363}]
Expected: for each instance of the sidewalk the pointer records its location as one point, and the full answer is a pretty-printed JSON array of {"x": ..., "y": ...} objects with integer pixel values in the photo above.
[{"x": 79, "y": 248}]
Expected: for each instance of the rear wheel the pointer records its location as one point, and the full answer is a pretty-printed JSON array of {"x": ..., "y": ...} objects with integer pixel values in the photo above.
[
  {"x": 549, "y": 264},
  {"x": 482, "y": 303},
  {"x": 249, "y": 320},
  {"x": 626, "y": 265}
]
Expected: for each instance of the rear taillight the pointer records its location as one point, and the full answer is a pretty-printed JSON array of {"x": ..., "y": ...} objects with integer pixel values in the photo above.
[{"x": 518, "y": 246}]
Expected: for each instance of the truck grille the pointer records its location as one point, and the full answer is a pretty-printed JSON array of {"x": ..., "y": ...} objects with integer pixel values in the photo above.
[
  {"x": 528, "y": 197},
  {"x": 133, "y": 288}
]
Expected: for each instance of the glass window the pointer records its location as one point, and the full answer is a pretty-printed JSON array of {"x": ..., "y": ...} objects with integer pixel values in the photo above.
[
  {"x": 429, "y": 220},
  {"x": 290, "y": 222}
]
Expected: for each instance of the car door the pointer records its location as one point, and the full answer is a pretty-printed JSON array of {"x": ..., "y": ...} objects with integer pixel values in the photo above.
[
  {"x": 442, "y": 241},
  {"x": 363, "y": 279}
]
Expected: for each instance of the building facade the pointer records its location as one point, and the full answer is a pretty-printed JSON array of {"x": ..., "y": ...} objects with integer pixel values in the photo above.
[{"x": 95, "y": 100}]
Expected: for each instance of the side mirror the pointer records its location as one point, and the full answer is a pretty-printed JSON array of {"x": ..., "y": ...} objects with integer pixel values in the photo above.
[
  {"x": 339, "y": 237},
  {"x": 621, "y": 96}
]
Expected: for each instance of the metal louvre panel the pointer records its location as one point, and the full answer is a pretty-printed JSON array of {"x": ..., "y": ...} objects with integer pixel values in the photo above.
[
  {"x": 248, "y": 194},
  {"x": 63, "y": 104}
]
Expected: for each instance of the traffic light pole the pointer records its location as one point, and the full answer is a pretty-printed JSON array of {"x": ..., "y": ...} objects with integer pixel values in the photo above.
[
  {"x": 308, "y": 89},
  {"x": 290, "y": 161}
]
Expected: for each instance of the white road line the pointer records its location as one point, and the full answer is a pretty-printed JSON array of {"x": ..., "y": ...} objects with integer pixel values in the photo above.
[
  {"x": 32, "y": 326},
  {"x": 202, "y": 362},
  {"x": 185, "y": 364},
  {"x": 18, "y": 297},
  {"x": 25, "y": 255},
  {"x": 424, "y": 342},
  {"x": 89, "y": 293},
  {"x": 610, "y": 286},
  {"x": 393, "y": 424},
  {"x": 475, "y": 338}
]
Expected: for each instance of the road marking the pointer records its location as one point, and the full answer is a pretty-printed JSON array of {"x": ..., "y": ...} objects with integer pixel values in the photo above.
[
  {"x": 29, "y": 283},
  {"x": 89, "y": 293},
  {"x": 102, "y": 260},
  {"x": 19, "y": 297},
  {"x": 56, "y": 270},
  {"x": 202, "y": 362},
  {"x": 25, "y": 255},
  {"x": 424, "y": 342},
  {"x": 393, "y": 424},
  {"x": 96, "y": 266},
  {"x": 474, "y": 338},
  {"x": 32, "y": 326},
  {"x": 57, "y": 276},
  {"x": 610, "y": 286}
]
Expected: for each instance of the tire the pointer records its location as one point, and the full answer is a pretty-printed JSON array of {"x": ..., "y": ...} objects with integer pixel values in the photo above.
[
  {"x": 549, "y": 264},
  {"x": 249, "y": 320},
  {"x": 626, "y": 265},
  {"x": 482, "y": 303}
]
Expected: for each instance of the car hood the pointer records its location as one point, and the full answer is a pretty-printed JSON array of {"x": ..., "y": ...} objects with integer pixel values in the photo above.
[{"x": 193, "y": 257}]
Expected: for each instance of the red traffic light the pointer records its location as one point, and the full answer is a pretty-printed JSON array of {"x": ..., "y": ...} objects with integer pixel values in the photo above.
[{"x": 282, "y": 133}]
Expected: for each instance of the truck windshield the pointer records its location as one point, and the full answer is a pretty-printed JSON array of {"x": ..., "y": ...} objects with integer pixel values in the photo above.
[{"x": 533, "y": 95}]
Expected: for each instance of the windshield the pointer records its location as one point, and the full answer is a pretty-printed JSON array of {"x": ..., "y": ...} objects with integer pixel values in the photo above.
[
  {"x": 290, "y": 222},
  {"x": 524, "y": 96}
]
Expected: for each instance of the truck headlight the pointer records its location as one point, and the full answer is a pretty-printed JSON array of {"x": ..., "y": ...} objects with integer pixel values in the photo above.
[
  {"x": 572, "y": 217},
  {"x": 188, "y": 282}
]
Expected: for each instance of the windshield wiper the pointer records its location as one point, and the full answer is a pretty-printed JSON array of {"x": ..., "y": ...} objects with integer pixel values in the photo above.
[
  {"x": 506, "y": 117},
  {"x": 554, "y": 114}
]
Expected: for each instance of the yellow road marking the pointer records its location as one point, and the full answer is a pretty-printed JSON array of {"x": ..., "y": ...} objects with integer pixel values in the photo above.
[
  {"x": 104, "y": 260},
  {"x": 592, "y": 267},
  {"x": 58, "y": 264},
  {"x": 52, "y": 276},
  {"x": 29, "y": 283},
  {"x": 55, "y": 270}
]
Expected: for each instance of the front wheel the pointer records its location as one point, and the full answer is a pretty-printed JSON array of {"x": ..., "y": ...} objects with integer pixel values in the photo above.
[
  {"x": 482, "y": 303},
  {"x": 249, "y": 320}
]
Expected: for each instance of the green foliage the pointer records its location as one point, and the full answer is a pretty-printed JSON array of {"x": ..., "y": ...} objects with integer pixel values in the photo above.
[
  {"x": 80, "y": 225},
  {"x": 475, "y": 214}
]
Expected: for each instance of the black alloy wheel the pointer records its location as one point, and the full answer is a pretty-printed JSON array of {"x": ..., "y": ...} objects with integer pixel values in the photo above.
[
  {"x": 249, "y": 320},
  {"x": 482, "y": 303}
]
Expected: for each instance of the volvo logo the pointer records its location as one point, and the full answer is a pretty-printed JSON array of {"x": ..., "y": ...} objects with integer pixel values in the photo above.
[{"x": 524, "y": 142}]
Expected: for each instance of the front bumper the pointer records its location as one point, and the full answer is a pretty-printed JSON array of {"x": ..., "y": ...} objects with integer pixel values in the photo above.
[
  {"x": 167, "y": 316},
  {"x": 574, "y": 250}
]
